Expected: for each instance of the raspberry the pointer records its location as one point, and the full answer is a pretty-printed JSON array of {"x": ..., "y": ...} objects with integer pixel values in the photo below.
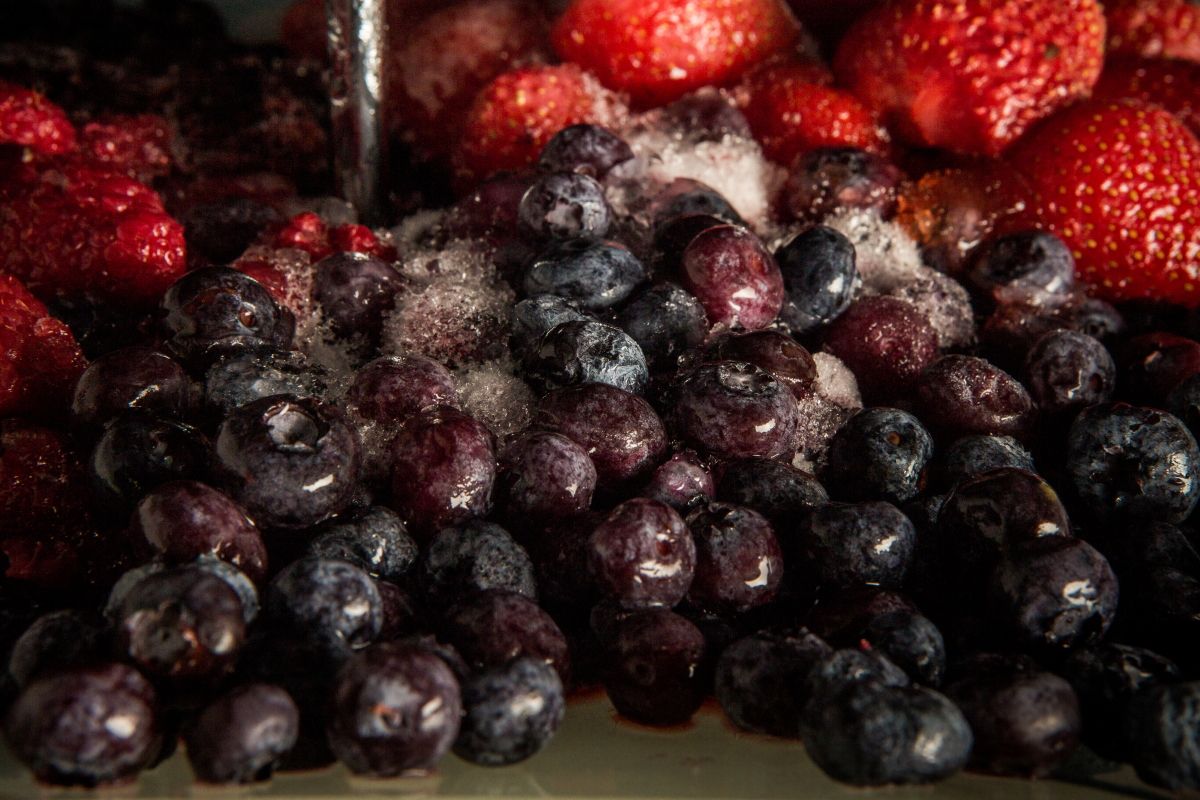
[
  {"x": 137, "y": 146},
  {"x": 28, "y": 119},
  {"x": 39, "y": 358}
]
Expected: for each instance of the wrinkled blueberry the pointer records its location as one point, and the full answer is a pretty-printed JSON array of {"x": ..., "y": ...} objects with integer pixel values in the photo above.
[
  {"x": 536, "y": 316},
  {"x": 778, "y": 491},
  {"x": 642, "y": 555},
  {"x": 240, "y": 736},
  {"x": 879, "y": 454},
  {"x": 562, "y": 205},
  {"x": 653, "y": 671},
  {"x": 819, "y": 277},
  {"x": 911, "y": 641},
  {"x": 137, "y": 453},
  {"x": 588, "y": 149},
  {"x": 959, "y": 395},
  {"x": 544, "y": 476},
  {"x": 973, "y": 455},
  {"x": 739, "y": 565},
  {"x": 592, "y": 273},
  {"x": 376, "y": 541},
  {"x": 682, "y": 481},
  {"x": 732, "y": 409},
  {"x": 734, "y": 277},
  {"x": 474, "y": 556},
  {"x": 234, "y": 382},
  {"x": 332, "y": 606},
  {"x": 666, "y": 321},
  {"x": 510, "y": 712},
  {"x": 1028, "y": 266},
  {"x": 774, "y": 352},
  {"x": 585, "y": 351},
  {"x": 761, "y": 679}
]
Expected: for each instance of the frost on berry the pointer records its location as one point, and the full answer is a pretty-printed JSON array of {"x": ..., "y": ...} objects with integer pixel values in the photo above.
[{"x": 493, "y": 393}]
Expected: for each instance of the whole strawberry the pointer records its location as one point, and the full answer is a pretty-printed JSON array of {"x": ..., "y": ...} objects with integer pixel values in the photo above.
[
  {"x": 659, "y": 50},
  {"x": 1119, "y": 183},
  {"x": 1154, "y": 28},
  {"x": 971, "y": 75},
  {"x": 1170, "y": 83}
]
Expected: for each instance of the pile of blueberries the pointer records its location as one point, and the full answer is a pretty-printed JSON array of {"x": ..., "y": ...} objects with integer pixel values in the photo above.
[{"x": 926, "y": 601}]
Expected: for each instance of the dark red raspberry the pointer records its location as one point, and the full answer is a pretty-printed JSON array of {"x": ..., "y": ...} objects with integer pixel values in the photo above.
[
  {"x": 39, "y": 357},
  {"x": 137, "y": 146},
  {"x": 30, "y": 120},
  {"x": 43, "y": 480}
]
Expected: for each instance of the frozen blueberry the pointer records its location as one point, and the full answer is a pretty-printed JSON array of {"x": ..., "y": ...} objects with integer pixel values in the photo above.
[
  {"x": 959, "y": 395},
  {"x": 739, "y": 565},
  {"x": 653, "y": 667},
  {"x": 1153, "y": 364},
  {"x": 835, "y": 670},
  {"x": 391, "y": 389},
  {"x": 778, "y": 491},
  {"x": 1164, "y": 728},
  {"x": 642, "y": 555},
  {"x": 474, "y": 556},
  {"x": 734, "y": 277},
  {"x": 707, "y": 115},
  {"x": 240, "y": 736},
  {"x": 911, "y": 641},
  {"x": 55, "y": 641},
  {"x": 682, "y": 482},
  {"x": 510, "y": 712},
  {"x": 400, "y": 613},
  {"x": 491, "y": 628},
  {"x": 1012, "y": 329},
  {"x": 761, "y": 679},
  {"x": 666, "y": 321},
  {"x": 132, "y": 378},
  {"x": 136, "y": 453},
  {"x": 592, "y": 273},
  {"x": 332, "y": 606},
  {"x": 819, "y": 277},
  {"x": 1028, "y": 266},
  {"x": 848, "y": 544},
  {"x": 830, "y": 179},
  {"x": 588, "y": 149},
  {"x": 879, "y": 454},
  {"x": 585, "y": 351},
  {"x": 687, "y": 197},
  {"x": 234, "y": 382},
  {"x": 354, "y": 291},
  {"x": 978, "y": 453},
  {"x": 562, "y": 205},
  {"x": 291, "y": 462},
  {"x": 1134, "y": 461},
  {"x": 86, "y": 726},
  {"x": 774, "y": 352},
  {"x": 886, "y": 342},
  {"x": 732, "y": 409},
  {"x": 1184, "y": 402},
  {"x": 1067, "y": 370},
  {"x": 376, "y": 541},
  {"x": 544, "y": 476},
  {"x": 536, "y": 316},
  {"x": 396, "y": 711}
]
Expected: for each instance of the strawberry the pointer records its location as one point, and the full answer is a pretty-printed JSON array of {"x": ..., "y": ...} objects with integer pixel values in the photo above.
[
  {"x": 659, "y": 50},
  {"x": 39, "y": 357},
  {"x": 1172, "y": 84},
  {"x": 1120, "y": 183},
  {"x": 791, "y": 114},
  {"x": 516, "y": 114},
  {"x": 30, "y": 120},
  {"x": 138, "y": 146},
  {"x": 1154, "y": 28},
  {"x": 971, "y": 75}
]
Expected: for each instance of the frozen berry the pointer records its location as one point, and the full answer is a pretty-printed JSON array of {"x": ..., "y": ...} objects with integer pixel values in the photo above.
[
  {"x": 978, "y": 453},
  {"x": 733, "y": 276},
  {"x": 653, "y": 670},
  {"x": 760, "y": 679},
  {"x": 241, "y": 379},
  {"x": 682, "y": 481},
  {"x": 376, "y": 541},
  {"x": 354, "y": 291},
  {"x": 332, "y": 606},
  {"x": 590, "y": 149},
  {"x": 563, "y": 205},
  {"x": 240, "y": 736},
  {"x": 666, "y": 321},
  {"x": 393, "y": 388},
  {"x": 1033, "y": 267},
  {"x": 851, "y": 544},
  {"x": 825, "y": 180},
  {"x": 137, "y": 453},
  {"x": 592, "y": 273},
  {"x": 133, "y": 378},
  {"x": 544, "y": 475},
  {"x": 778, "y": 491},
  {"x": 642, "y": 555},
  {"x": 739, "y": 565},
  {"x": 879, "y": 454},
  {"x": 585, "y": 351},
  {"x": 820, "y": 278},
  {"x": 774, "y": 352},
  {"x": 733, "y": 409},
  {"x": 1068, "y": 370},
  {"x": 959, "y": 395},
  {"x": 510, "y": 712},
  {"x": 491, "y": 628},
  {"x": 474, "y": 556},
  {"x": 886, "y": 342}
]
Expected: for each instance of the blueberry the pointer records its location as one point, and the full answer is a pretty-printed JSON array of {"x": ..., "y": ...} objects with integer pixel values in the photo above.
[
  {"x": 474, "y": 556},
  {"x": 396, "y": 710},
  {"x": 653, "y": 673},
  {"x": 1067, "y": 370},
  {"x": 1153, "y": 364},
  {"x": 760, "y": 679},
  {"x": 684, "y": 197},
  {"x": 959, "y": 395},
  {"x": 221, "y": 231},
  {"x": 86, "y": 726},
  {"x": 826, "y": 180},
  {"x": 589, "y": 352},
  {"x": 833, "y": 671},
  {"x": 509, "y": 713},
  {"x": 544, "y": 476},
  {"x": 443, "y": 469},
  {"x": 132, "y": 378},
  {"x": 732, "y": 409},
  {"x": 375, "y": 541},
  {"x": 879, "y": 454},
  {"x": 235, "y": 579},
  {"x": 673, "y": 235},
  {"x": 136, "y": 453},
  {"x": 592, "y": 273},
  {"x": 819, "y": 277},
  {"x": 778, "y": 491},
  {"x": 734, "y": 277},
  {"x": 707, "y": 115},
  {"x": 1134, "y": 461},
  {"x": 1012, "y": 329},
  {"x": 842, "y": 615},
  {"x": 1028, "y": 266},
  {"x": 1184, "y": 402},
  {"x": 491, "y": 628},
  {"x": 1163, "y": 729},
  {"x": 354, "y": 291},
  {"x": 240, "y": 736},
  {"x": 682, "y": 481},
  {"x": 332, "y": 606},
  {"x": 399, "y": 609},
  {"x": 217, "y": 310},
  {"x": 55, "y": 641},
  {"x": 975, "y": 454},
  {"x": 886, "y": 342},
  {"x": 182, "y": 520},
  {"x": 911, "y": 641},
  {"x": 391, "y": 389},
  {"x": 854, "y": 543},
  {"x": 291, "y": 462},
  {"x": 642, "y": 555},
  {"x": 739, "y": 565},
  {"x": 562, "y": 205},
  {"x": 536, "y": 316},
  {"x": 234, "y": 382},
  {"x": 588, "y": 149},
  {"x": 666, "y": 321},
  {"x": 774, "y": 352}
]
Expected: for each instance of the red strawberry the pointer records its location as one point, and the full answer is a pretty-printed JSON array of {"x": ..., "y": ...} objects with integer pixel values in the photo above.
[
  {"x": 1172, "y": 84},
  {"x": 72, "y": 229},
  {"x": 443, "y": 62},
  {"x": 1154, "y": 28},
  {"x": 1120, "y": 183},
  {"x": 790, "y": 114},
  {"x": 972, "y": 75},
  {"x": 516, "y": 114},
  {"x": 39, "y": 358},
  {"x": 30, "y": 120},
  {"x": 659, "y": 50},
  {"x": 139, "y": 147}
]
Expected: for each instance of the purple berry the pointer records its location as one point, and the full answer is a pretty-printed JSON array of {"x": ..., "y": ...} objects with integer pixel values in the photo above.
[
  {"x": 586, "y": 351},
  {"x": 732, "y": 409},
  {"x": 332, "y": 607},
  {"x": 820, "y": 277},
  {"x": 240, "y": 736},
  {"x": 1067, "y": 370},
  {"x": 653, "y": 667},
  {"x": 682, "y": 481},
  {"x": 780, "y": 492},
  {"x": 774, "y": 352},
  {"x": 827, "y": 180},
  {"x": 879, "y": 454},
  {"x": 474, "y": 556},
  {"x": 760, "y": 679},
  {"x": 733, "y": 276},
  {"x": 961, "y": 395},
  {"x": 393, "y": 388},
  {"x": 237, "y": 381},
  {"x": 132, "y": 378},
  {"x": 666, "y": 322},
  {"x": 684, "y": 197},
  {"x": 1034, "y": 267},
  {"x": 847, "y": 544},
  {"x": 491, "y": 628},
  {"x": 56, "y": 641},
  {"x": 885, "y": 342},
  {"x": 563, "y": 205},
  {"x": 376, "y": 541},
  {"x": 536, "y": 316},
  {"x": 510, "y": 713},
  {"x": 642, "y": 555},
  {"x": 592, "y": 273},
  {"x": 544, "y": 476},
  {"x": 739, "y": 565},
  {"x": 587, "y": 149},
  {"x": 354, "y": 291}
]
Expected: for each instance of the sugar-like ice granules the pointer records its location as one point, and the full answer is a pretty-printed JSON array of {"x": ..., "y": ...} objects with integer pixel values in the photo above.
[
  {"x": 457, "y": 322},
  {"x": 945, "y": 303},
  {"x": 834, "y": 400},
  {"x": 492, "y": 393}
]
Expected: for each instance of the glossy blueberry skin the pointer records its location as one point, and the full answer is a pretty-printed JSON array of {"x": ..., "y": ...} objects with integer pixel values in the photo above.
[
  {"x": 133, "y": 378},
  {"x": 240, "y": 736},
  {"x": 780, "y": 492},
  {"x": 1134, "y": 461},
  {"x": 562, "y": 205},
  {"x": 182, "y": 520},
  {"x": 443, "y": 469},
  {"x": 391, "y": 389},
  {"x": 474, "y": 556},
  {"x": 1012, "y": 329},
  {"x": 854, "y": 543},
  {"x": 55, "y": 641},
  {"x": 960, "y": 395},
  {"x": 544, "y": 476},
  {"x": 509, "y": 713},
  {"x": 216, "y": 310},
  {"x": 354, "y": 291},
  {"x": 1053, "y": 593},
  {"x": 829, "y": 179},
  {"x": 291, "y": 462},
  {"x": 588, "y": 149},
  {"x": 912, "y": 642},
  {"x": 376, "y": 541},
  {"x": 1026, "y": 722},
  {"x": 1030, "y": 266},
  {"x": 683, "y": 481},
  {"x": 978, "y": 453},
  {"x": 396, "y": 711},
  {"x": 774, "y": 352},
  {"x": 620, "y": 431},
  {"x": 684, "y": 197},
  {"x": 653, "y": 667},
  {"x": 1163, "y": 725},
  {"x": 885, "y": 342},
  {"x": 87, "y": 726},
  {"x": 820, "y": 277},
  {"x": 836, "y": 670},
  {"x": 491, "y": 628},
  {"x": 666, "y": 321},
  {"x": 585, "y": 351},
  {"x": 331, "y": 606},
  {"x": 879, "y": 454},
  {"x": 1066, "y": 371},
  {"x": 760, "y": 680},
  {"x": 536, "y": 316},
  {"x": 136, "y": 453},
  {"x": 592, "y": 273},
  {"x": 239, "y": 380},
  {"x": 732, "y": 409},
  {"x": 734, "y": 277},
  {"x": 739, "y": 564},
  {"x": 642, "y": 555}
]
